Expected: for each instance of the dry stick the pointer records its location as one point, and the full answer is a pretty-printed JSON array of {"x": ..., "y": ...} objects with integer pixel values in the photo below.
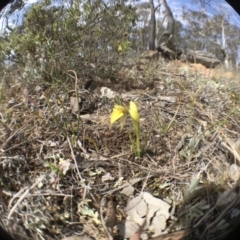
[
  {"x": 77, "y": 96},
  {"x": 16, "y": 196},
  {"x": 81, "y": 146},
  {"x": 131, "y": 182},
  {"x": 37, "y": 194},
  {"x": 75, "y": 161},
  {"x": 120, "y": 155},
  {"x": 74, "y": 158},
  {"x": 145, "y": 182},
  {"x": 22, "y": 197}
]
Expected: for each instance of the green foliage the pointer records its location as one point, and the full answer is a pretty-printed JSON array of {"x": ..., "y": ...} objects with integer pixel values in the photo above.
[{"x": 54, "y": 39}]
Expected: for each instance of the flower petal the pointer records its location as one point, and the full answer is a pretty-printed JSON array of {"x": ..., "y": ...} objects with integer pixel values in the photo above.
[
  {"x": 133, "y": 110},
  {"x": 117, "y": 113},
  {"x": 120, "y": 107}
]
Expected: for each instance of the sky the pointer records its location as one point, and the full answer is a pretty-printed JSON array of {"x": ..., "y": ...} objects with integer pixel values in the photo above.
[{"x": 216, "y": 6}]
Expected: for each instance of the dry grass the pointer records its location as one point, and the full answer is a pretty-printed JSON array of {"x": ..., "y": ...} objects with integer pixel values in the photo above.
[{"x": 57, "y": 166}]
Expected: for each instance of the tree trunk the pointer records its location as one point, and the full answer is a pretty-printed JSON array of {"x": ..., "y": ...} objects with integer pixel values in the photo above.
[
  {"x": 226, "y": 63},
  {"x": 152, "y": 32}
]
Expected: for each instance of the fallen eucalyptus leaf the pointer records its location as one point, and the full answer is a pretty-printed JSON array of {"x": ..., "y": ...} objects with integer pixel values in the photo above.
[{"x": 146, "y": 212}]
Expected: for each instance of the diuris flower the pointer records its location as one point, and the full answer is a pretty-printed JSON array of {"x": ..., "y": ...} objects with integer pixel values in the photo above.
[{"x": 119, "y": 113}]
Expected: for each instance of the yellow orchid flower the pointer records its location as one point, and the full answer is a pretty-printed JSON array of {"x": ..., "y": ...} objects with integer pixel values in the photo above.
[
  {"x": 119, "y": 112},
  {"x": 133, "y": 110}
]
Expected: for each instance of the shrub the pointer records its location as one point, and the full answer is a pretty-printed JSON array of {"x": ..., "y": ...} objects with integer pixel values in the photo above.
[{"x": 54, "y": 39}]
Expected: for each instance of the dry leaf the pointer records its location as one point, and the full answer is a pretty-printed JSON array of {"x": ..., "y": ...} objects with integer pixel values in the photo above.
[
  {"x": 137, "y": 210},
  {"x": 135, "y": 236},
  {"x": 64, "y": 165},
  {"x": 107, "y": 92},
  {"x": 74, "y": 104},
  {"x": 107, "y": 177},
  {"x": 128, "y": 228},
  {"x": 128, "y": 191},
  {"x": 158, "y": 211},
  {"x": 139, "y": 235},
  {"x": 145, "y": 211},
  {"x": 52, "y": 144}
]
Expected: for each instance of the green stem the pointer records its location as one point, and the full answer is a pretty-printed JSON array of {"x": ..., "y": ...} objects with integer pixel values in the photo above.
[{"x": 137, "y": 131}]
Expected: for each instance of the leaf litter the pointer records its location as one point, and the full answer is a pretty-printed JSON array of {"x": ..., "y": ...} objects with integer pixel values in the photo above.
[{"x": 64, "y": 175}]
